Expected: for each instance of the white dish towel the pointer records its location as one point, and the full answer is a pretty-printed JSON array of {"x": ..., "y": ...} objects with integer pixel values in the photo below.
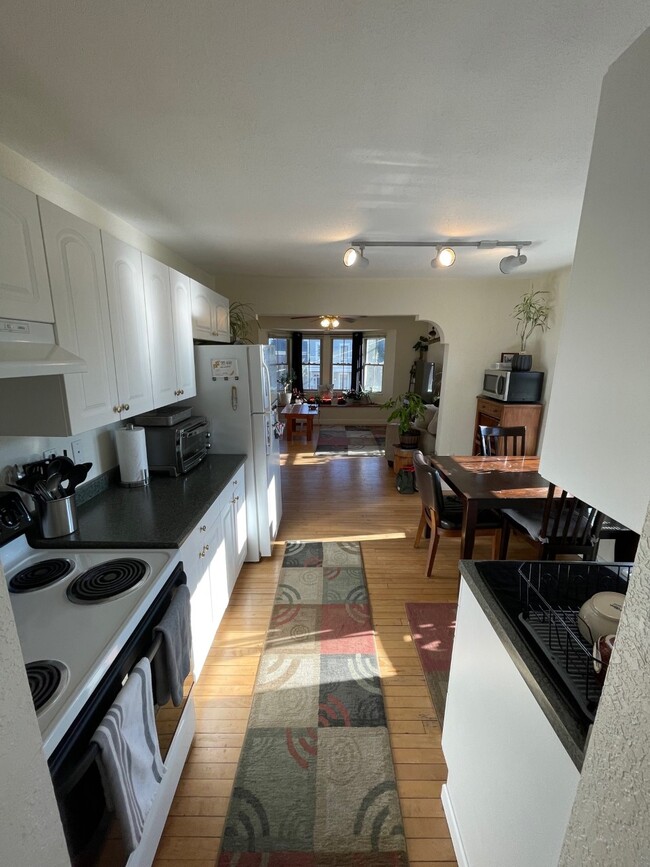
[{"x": 130, "y": 762}]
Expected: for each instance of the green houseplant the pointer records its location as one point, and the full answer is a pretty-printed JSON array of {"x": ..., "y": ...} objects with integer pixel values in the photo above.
[
  {"x": 285, "y": 381},
  {"x": 241, "y": 317},
  {"x": 532, "y": 312},
  {"x": 406, "y": 408}
]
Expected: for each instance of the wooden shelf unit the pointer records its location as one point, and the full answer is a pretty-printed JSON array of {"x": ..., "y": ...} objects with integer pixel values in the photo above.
[{"x": 496, "y": 413}]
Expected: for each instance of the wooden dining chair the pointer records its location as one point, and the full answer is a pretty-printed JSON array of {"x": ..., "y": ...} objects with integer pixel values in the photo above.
[
  {"x": 443, "y": 514},
  {"x": 561, "y": 524},
  {"x": 502, "y": 440}
]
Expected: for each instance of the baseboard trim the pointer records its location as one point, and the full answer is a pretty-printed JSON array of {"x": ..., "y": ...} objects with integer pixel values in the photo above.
[{"x": 454, "y": 830}]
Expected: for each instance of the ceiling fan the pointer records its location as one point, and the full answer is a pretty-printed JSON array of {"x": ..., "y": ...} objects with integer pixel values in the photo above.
[{"x": 328, "y": 320}]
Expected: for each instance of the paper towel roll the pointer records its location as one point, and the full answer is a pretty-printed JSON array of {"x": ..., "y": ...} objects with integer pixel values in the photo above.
[{"x": 132, "y": 456}]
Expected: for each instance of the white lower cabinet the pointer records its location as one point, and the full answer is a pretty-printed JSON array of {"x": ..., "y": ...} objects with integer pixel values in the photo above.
[
  {"x": 212, "y": 563},
  {"x": 511, "y": 784}
]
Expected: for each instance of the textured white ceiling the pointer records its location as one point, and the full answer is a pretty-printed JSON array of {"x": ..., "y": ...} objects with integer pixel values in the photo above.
[{"x": 258, "y": 137}]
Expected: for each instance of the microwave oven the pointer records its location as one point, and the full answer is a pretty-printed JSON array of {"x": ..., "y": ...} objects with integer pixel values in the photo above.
[{"x": 513, "y": 386}]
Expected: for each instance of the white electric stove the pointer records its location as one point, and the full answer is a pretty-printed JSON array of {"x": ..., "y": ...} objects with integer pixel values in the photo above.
[{"x": 74, "y": 610}]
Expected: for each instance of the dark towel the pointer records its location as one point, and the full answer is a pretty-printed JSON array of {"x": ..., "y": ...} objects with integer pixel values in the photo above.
[
  {"x": 172, "y": 662},
  {"x": 129, "y": 758}
]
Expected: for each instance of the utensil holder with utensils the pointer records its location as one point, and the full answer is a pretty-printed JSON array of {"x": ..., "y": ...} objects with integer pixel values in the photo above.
[{"x": 57, "y": 517}]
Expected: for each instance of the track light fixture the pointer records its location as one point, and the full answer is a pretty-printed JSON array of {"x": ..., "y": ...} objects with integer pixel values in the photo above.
[
  {"x": 508, "y": 264},
  {"x": 444, "y": 258},
  {"x": 445, "y": 254}
]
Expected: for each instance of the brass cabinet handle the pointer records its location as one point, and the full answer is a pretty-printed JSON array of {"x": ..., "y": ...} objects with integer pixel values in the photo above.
[{"x": 126, "y": 407}]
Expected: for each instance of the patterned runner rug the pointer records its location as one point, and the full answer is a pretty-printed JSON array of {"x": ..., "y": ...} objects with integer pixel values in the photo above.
[
  {"x": 432, "y": 627},
  {"x": 351, "y": 440},
  {"x": 315, "y": 784}
]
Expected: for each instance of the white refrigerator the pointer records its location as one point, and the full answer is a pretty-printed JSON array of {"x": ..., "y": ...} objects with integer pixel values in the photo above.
[{"x": 237, "y": 392}]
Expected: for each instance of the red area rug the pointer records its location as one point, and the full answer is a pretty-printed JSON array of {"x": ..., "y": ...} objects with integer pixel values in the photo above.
[{"x": 432, "y": 626}]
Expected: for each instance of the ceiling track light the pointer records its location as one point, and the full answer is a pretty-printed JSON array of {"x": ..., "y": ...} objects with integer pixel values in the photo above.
[{"x": 445, "y": 254}]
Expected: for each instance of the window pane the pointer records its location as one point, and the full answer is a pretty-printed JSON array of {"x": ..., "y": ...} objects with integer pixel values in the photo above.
[
  {"x": 374, "y": 350},
  {"x": 311, "y": 363},
  {"x": 342, "y": 363}
]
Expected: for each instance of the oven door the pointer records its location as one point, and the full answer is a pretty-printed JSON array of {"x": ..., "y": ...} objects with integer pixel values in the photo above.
[
  {"x": 91, "y": 831},
  {"x": 192, "y": 445}
]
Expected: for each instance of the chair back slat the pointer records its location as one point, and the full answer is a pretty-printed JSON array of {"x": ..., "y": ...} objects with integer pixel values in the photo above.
[
  {"x": 428, "y": 482},
  {"x": 570, "y": 523},
  {"x": 502, "y": 440}
]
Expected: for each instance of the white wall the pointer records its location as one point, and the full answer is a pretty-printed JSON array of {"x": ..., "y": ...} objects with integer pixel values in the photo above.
[
  {"x": 600, "y": 402},
  {"x": 474, "y": 318},
  {"x": 606, "y": 334}
]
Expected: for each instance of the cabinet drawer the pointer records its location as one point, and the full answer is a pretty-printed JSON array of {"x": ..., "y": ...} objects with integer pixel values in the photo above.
[{"x": 490, "y": 407}]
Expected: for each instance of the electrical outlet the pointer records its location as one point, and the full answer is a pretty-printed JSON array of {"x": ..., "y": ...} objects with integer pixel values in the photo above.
[
  {"x": 48, "y": 454},
  {"x": 77, "y": 451}
]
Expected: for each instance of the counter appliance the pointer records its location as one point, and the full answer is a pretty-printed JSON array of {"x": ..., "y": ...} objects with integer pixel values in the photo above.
[
  {"x": 177, "y": 448},
  {"x": 235, "y": 390},
  {"x": 84, "y": 618},
  {"x": 513, "y": 386}
]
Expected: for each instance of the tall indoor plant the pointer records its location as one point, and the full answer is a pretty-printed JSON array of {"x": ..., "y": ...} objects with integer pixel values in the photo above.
[
  {"x": 241, "y": 317},
  {"x": 531, "y": 312},
  {"x": 406, "y": 408}
]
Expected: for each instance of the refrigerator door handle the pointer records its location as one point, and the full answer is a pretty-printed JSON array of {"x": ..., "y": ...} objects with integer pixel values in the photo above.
[
  {"x": 267, "y": 387},
  {"x": 233, "y": 398},
  {"x": 268, "y": 434}
]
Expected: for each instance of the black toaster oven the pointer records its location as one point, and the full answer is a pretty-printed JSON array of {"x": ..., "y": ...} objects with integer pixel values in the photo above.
[{"x": 177, "y": 448}]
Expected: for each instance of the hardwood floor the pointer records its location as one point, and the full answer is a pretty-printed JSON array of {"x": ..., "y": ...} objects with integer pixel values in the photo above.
[{"x": 325, "y": 499}]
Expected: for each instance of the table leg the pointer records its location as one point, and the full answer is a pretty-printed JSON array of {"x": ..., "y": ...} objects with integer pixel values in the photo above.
[
  {"x": 470, "y": 514},
  {"x": 289, "y": 429},
  {"x": 310, "y": 423}
]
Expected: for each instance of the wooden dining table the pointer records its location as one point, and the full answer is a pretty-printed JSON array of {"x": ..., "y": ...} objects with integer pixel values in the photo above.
[{"x": 488, "y": 482}]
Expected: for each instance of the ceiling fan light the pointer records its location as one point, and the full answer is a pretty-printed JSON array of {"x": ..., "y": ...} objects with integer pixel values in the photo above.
[
  {"x": 444, "y": 258},
  {"x": 334, "y": 322},
  {"x": 325, "y": 322},
  {"x": 350, "y": 257}
]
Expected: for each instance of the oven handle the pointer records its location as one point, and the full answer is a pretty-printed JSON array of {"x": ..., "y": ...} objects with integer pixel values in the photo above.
[{"x": 92, "y": 753}]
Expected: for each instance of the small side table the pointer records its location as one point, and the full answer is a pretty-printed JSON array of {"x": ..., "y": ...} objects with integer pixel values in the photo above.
[{"x": 402, "y": 458}]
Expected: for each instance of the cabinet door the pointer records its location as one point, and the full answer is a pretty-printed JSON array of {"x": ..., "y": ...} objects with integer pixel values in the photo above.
[
  {"x": 74, "y": 259},
  {"x": 24, "y": 284},
  {"x": 204, "y": 326},
  {"x": 126, "y": 304},
  {"x": 222, "y": 317},
  {"x": 238, "y": 519},
  {"x": 219, "y": 565},
  {"x": 183, "y": 343},
  {"x": 198, "y": 581},
  {"x": 160, "y": 328}
]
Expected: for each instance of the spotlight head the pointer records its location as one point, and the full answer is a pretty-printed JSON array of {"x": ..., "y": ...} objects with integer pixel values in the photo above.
[
  {"x": 444, "y": 258},
  {"x": 508, "y": 264},
  {"x": 350, "y": 257}
]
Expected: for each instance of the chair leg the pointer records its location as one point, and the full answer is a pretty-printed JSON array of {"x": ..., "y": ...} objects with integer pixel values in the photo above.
[
  {"x": 433, "y": 545},
  {"x": 496, "y": 544},
  {"x": 421, "y": 526},
  {"x": 505, "y": 538}
]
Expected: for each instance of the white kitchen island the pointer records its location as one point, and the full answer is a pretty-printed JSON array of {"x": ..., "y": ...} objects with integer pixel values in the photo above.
[{"x": 512, "y": 780}]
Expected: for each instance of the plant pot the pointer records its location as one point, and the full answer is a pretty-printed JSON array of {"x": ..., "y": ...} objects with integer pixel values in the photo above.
[
  {"x": 410, "y": 439},
  {"x": 522, "y": 361},
  {"x": 283, "y": 398}
]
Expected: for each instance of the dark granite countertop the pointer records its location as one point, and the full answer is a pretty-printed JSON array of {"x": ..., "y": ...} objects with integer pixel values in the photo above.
[
  {"x": 569, "y": 728},
  {"x": 160, "y": 515}
]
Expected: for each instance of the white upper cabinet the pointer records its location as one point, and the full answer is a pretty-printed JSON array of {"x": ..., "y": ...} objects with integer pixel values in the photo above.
[
  {"x": 169, "y": 323},
  {"x": 183, "y": 342},
  {"x": 74, "y": 258},
  {"x": 126, "y": 301},
  {"x": 160, "y": 328},
  {"x": 210, "y": 314},
  {"x": 24, "y": 284}
]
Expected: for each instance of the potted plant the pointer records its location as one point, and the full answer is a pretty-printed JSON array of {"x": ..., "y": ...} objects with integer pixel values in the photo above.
[
  {"x": 423, "y": 342},
  {"x": 406, "y": 408},
  {"x": 285, "y": 383},
  {"x": 532, "y": 312},
  {"x": 241, "y": 316}
]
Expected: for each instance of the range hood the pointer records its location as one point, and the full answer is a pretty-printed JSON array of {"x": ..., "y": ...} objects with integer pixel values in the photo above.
[{"x": 29, "y": 349}]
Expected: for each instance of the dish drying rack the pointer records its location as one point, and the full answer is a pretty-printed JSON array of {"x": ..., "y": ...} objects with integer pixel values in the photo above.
[{"x": 551, "y": 594}]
